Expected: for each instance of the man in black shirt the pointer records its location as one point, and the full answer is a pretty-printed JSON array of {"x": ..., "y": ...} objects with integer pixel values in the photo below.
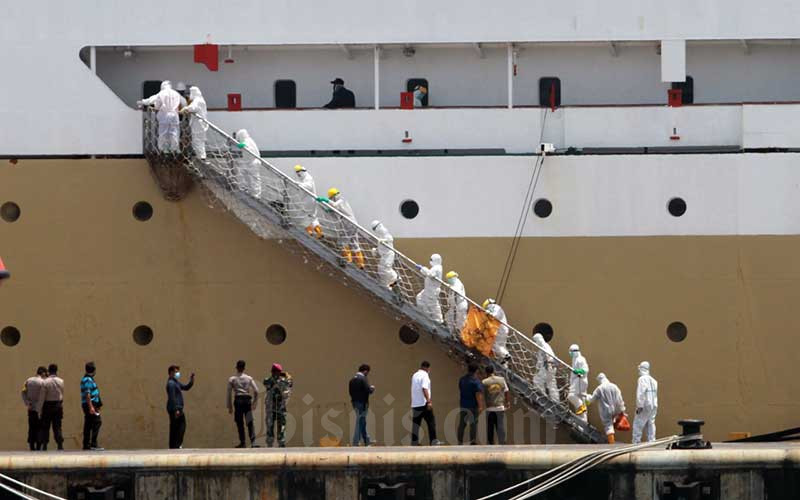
[
  {"x": 342, "y": 97},
  {"x": 359, "y": 395},
  {"x": 177, "y": 417}
]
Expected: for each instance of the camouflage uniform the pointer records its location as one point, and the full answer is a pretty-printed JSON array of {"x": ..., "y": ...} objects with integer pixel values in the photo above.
[{"x": 279, "y": 388}]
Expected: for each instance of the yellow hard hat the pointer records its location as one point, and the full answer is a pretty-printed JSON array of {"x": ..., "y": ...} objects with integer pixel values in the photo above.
[
  {"x": 487, "y": 302},
  {"x": 299, "y": 168},
  {"x": 451, "y": 275},
  {"x": 332, "y": 192}
]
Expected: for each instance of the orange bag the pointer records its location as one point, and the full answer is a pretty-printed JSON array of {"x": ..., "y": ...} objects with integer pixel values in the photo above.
[
  {"x": 479, "y": 331},
  {"x": 621, "y": 423}
]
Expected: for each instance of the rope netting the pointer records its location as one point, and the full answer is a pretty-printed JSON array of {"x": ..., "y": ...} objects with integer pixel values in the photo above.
[{"x": 286, "y": 208}]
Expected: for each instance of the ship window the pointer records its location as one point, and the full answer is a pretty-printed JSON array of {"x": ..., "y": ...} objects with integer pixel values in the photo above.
[
  {"x": 150, "y": 87},
  {"x": 687, "y": 90},
  {"x": 276, "y": 334},
  {"x": 677, "y": 331},
  {"x": 285, "y": 94},
  {"x": 676, "y": 207},
  {"x": 545, "y": 329},
  {"x": 550, "y": 86},
  {"x": 408, "y": 335},
  {"x": 10, "y": 211},
  {"x": 142, "y": 211},
  {"x": 543, "y": 208},
  {"x": 9, "y": 336},
  {"x": 412, "y": 83},
  {"x": 142, "y": 335},
  {"x": 409, "y": 209}
]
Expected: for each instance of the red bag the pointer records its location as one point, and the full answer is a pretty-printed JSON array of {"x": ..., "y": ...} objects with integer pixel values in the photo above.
[{"x": 621, "y": 423}]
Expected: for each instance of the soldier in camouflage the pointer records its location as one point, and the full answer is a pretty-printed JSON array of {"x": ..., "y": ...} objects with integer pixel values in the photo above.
[{"x": 279, "y": 388}]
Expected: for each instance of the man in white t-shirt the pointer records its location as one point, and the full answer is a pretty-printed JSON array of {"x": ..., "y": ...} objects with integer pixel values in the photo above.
[{"x": 422, "y": 404}]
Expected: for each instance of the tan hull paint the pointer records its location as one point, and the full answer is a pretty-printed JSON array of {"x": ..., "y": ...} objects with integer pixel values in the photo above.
[{"x": 85, "y": 273}]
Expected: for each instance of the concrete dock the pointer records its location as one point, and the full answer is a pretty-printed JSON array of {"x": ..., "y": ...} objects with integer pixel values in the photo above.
[{"x": 728, "y": 471}]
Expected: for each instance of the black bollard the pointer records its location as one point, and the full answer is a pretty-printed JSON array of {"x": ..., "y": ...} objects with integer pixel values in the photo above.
[{"x": 691, "y": 426}]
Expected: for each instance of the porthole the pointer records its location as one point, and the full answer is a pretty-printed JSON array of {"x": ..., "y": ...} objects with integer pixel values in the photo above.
[
  {"x": 676, "y": 207},
  {"x": 142, "y": 335},
  {"x": 276, "y": 334},
  {"x": 543, "y": 208},
  {"x": 408, "y": 335},
  {"x": 142, "y": 211},
  {"x": 545, "y": 329},
  {"x": 9, "y": 336},
  {"x": 10, "y": 211},
  {"x": 409, "y": 209},
  {"x": 677, "y": 331}
]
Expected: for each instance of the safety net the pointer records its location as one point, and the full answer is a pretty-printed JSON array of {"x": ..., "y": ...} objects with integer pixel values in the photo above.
[{"x": 284, "y": 207}]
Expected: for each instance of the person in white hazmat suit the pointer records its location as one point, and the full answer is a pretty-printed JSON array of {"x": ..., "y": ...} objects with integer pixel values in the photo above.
[
  {"x": 197, "y": 107},
  {"x": 578, "y": 381},
  {"x": 456, "y": 303},
  {"x": 347, "y": 234},
  {"x": 646, "y": 405},
  {"x": 385, "y": 250},
  {"x": 500, "y": 341},
  {"x": 545, "y": 378},
  {"x": 167, "y": 102},
  {"x": 609, "y": 397},
  {"x": 428, "y": 298},
  {"x": 248, "y": 167},
  {"x": 304, "y": 206}
]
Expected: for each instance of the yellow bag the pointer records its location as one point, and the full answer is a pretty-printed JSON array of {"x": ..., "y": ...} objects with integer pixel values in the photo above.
[{"x": 479, "y": 331}]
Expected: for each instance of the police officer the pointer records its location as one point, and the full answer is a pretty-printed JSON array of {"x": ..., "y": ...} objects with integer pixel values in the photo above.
[
  {"x": 245, "y": 397},
  {"x": 31, "y": 391},
  {"x": 51, "y": 403},
  {"x": 279, "y": 388}
]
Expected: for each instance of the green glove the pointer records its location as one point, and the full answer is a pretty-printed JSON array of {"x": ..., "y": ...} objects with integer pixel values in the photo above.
[
  {"x": 240, "y": 145},
  {"x": 323, "y": 199},
  {"x": 579, "y": 371}
]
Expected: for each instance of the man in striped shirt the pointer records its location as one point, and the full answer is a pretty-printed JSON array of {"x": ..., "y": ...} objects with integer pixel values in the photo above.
[{"x": 91, "y": 404}]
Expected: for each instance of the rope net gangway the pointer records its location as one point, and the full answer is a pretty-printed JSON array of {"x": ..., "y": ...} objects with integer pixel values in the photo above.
[{"x": 284, "y": 208}]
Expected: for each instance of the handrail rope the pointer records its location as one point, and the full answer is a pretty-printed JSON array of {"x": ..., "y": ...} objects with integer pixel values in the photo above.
[
  {"x": 20, "y": 483},
  {"x": 523, "y": 217},
  {"x": 597, "y": 461},
  {"x": 408, "y": 260},
  {"x": 580, "y": 462},
  {"x": 16, "y": 492}
]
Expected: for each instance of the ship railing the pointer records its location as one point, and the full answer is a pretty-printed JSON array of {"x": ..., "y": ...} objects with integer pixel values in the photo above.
[{"x": 227, "y": 170}]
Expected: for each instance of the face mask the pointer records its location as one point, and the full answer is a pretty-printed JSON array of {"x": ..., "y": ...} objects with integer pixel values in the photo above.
[
  {"x": 177, "y": 375},
  {"x": 572, "y": 354}
]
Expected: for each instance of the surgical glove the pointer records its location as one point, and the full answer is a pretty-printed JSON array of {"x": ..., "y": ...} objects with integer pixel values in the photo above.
[
  {"x": 580, "y": 372},
  {"x": 241, "y": 145},
  {"x": 322, "y": 199}
]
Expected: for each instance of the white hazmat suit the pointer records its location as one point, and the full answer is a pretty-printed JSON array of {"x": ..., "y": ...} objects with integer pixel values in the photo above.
[
  {"x": 578, "y": 381},
  {"x": 457, "y": 305},
  {"x": 167, "y": 102},
  {"x": 646, "y": 405},
  {"x": 199, "y": 127},
  {"x": 610, "y": 402},
  {"x": 248, "y": 168},
  {"x": 385, "y": 249},
  {"x": 303, "y": 207},
  {"x": 347, "y": 234},
  {"x": 545, "y": 378},
  {"x": 428, "y": 298},
  {"x": 500, "y": 341}
]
